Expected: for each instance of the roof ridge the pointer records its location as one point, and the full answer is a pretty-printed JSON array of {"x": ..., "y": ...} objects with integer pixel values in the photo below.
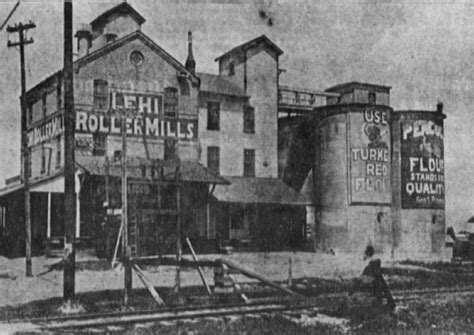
[{"x": 262, "y": 37}]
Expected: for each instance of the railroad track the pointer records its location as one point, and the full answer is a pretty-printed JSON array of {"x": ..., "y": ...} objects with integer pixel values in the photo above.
[{"x": 254, "y": 306}]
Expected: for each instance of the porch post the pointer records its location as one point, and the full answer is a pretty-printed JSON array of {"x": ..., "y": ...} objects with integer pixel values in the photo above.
[
  {"x": 78, "y": 207},
  {"x": 78, "y": 216},
  {"x": 208, "y": 220},
  {"x": 48, "y": 222}
]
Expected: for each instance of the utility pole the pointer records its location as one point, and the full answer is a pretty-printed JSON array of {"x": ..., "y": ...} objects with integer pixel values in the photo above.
[
  {"x": 21, "y": 29},
  {"x": 69, "y": 161},
  {"x": 125, "y": 248}
]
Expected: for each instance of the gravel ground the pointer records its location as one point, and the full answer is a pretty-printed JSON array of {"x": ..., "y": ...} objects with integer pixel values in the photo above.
[
  {"x": 16, "y": 288},
  {"x": 312, "y": 273}
]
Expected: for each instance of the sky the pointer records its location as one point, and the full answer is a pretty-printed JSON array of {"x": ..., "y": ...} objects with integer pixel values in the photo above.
[{"x": 422, "y": 49}]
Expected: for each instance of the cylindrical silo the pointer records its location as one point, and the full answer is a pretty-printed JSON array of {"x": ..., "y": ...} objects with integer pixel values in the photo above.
[
  {"x": 352, "y": 170},
  {"x": 418, "y": 183}
]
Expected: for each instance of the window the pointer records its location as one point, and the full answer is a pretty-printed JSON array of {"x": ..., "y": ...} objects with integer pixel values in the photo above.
[
  {"x": 249, "y": 119},
  {"x": 171, "y": 101},
  {"x": 101, "y": 93},
  {"x": 213, "y": 159},
  {"x": 44, "y": 104},
  {"x": 249, "y": 163},
  {"x": 99, "y": 143},
  {"x": 183, "y": 86},
  {"x": 30, "y": 114},
  {"x": 59, "y": 96},
  {"x": 110, "y": 37},
  {"x": 213, "y": 110},
  {"x": 372, "y": 98},
  {"x": 231, "y": 68},
  {"x": 170, "y": 148},
  {"x": 58, "y": 151},
  {"x": 43, "y": 159}
]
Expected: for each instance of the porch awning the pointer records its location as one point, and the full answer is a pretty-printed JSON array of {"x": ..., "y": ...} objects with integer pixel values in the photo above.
[
  {"x": 52, "y": 183},
  {"x": 191, "y": 171},
  {"x": 259, "y": 190}
]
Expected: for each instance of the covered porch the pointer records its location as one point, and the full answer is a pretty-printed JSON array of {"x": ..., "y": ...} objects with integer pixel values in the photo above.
[{"x": 259, "y": 214}]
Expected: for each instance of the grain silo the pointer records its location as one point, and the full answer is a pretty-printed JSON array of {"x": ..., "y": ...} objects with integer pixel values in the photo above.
[
  {"x": 352, "y": 169},
  {"x": 418, "y": 198}
]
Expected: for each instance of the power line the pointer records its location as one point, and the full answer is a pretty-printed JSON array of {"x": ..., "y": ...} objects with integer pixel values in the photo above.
[{"x": 10, "y": 15}]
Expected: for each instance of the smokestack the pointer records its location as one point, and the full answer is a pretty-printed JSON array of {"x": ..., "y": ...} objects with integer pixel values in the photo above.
[
  {"x": 84, "y": 40},
  {"x": 190, "y": 62},
  {"x": 439, "y": 107}
]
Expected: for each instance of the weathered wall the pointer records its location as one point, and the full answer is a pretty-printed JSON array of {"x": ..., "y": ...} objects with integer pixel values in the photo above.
[
  {"x": 230, "y": 138},
  {"x": 352, "y": 191},
  {"x": 418, "y": 184}
]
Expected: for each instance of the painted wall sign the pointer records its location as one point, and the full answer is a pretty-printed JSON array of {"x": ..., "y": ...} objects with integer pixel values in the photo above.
[
  {"x": 46, "y": 131},
  {"x": 148, "y": 125},
  {"x": 90, "y": 123},
  {"x": 148, "y": 103},
  {"x": 370, "y": 159},
  {"x": 422, "y": 164}
]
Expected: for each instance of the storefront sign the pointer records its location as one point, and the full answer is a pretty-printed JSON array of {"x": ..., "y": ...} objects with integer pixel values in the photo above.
[
  {"x": 370, "y": 157},
  {"x": 422, "y": 164}
]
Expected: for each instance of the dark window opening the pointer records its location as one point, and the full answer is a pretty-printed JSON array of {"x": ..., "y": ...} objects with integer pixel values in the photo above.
[
  {"x": 170, "y": 148},
  {"x": 249, "y": 119},
  {"x": 30, "y": 114},
  {"x": 372, "y": 98},
  {"x": 99, "y": 142},
  {"x": 213, "y": 111},
  {"x": 171, "y": 101},
  {"x": 44, "y": 105},
  {"x": 110, "y": 37},
  {"x": 183, "y": 86},
  {"x": 231, "y": 68},
  {"x": 213, "y": 159},
  {"x": 59, "y": 96},
  {"x": 249, "y": 163},
  {"x": 58, "y": 151},
  {"x": 101, "y": 94},
  {"x": 43, "y": 159}
]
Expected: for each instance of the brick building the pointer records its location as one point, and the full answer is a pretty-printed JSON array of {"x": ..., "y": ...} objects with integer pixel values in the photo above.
[{"x": 220, "y": 129}]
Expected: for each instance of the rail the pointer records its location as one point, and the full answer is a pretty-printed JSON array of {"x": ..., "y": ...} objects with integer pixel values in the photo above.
[{"x": 301, "y": 98}]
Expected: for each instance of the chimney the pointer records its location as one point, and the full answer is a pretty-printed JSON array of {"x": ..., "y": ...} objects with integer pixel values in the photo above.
[
  {"x": 439, "y": 107},
  {"x": 190, "y": 64},
  {"x": 84, "y": 40}
]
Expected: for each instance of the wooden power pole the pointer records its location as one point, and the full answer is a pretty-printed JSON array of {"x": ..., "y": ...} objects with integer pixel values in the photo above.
[
  {"x": 21, "y": 29},
  {"x": 125, "y": 247},
  {"x": 69, "y": 160}
]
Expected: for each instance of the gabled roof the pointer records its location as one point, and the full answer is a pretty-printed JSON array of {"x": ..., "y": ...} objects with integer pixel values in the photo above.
[
  {"x": 123, "y": 8},
  {"x": 114, "y": 46},
  {"x": 126, "y": 39},
  {"x": 252, "y": 43},
  {"x": 218, "y": 84}
]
